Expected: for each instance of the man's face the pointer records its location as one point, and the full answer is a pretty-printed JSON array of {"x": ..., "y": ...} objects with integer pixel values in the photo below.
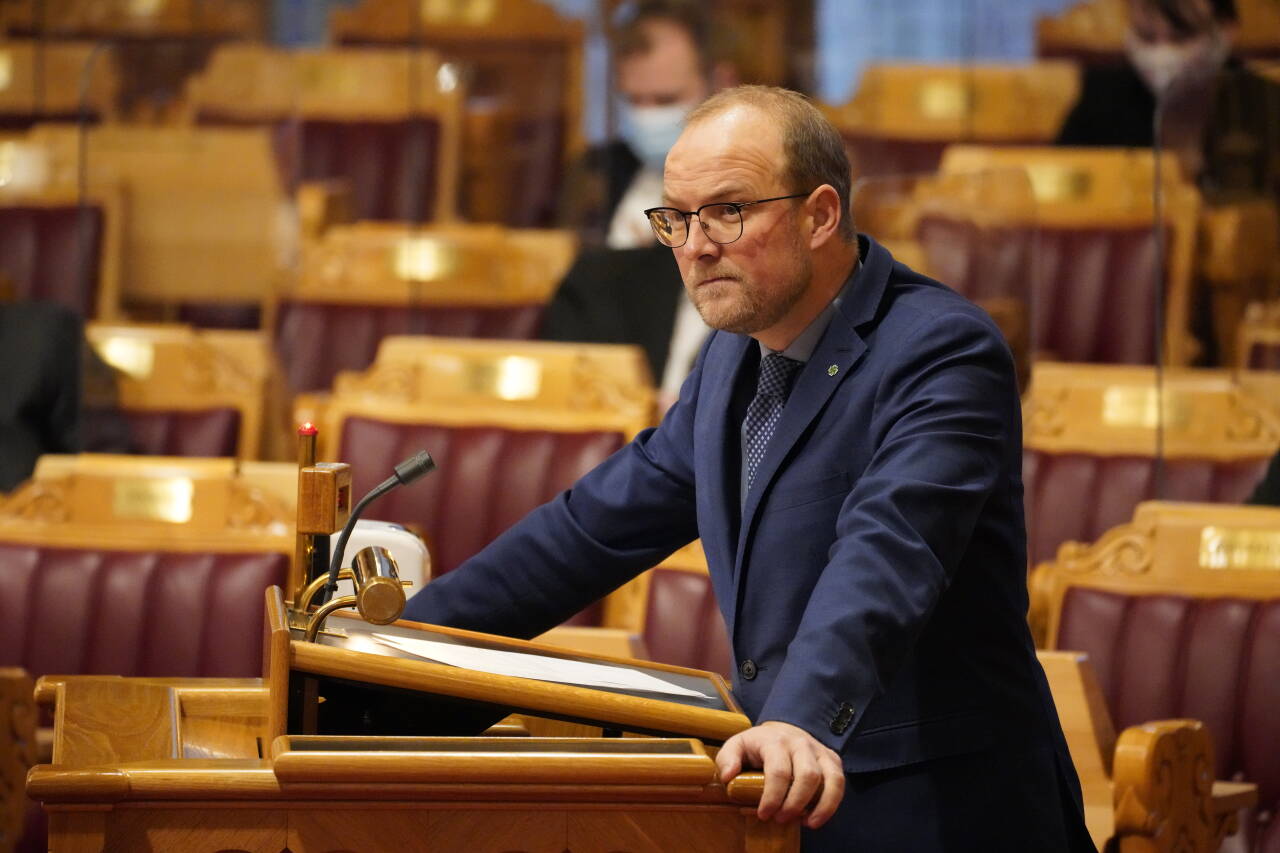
[
  {"x": 668, "y": 73},
  {"x": 752, "y": 284}
]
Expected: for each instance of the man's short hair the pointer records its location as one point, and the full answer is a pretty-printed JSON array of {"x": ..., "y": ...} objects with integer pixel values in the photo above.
[
  {"x": 1183, "y": 15},
  {"x": 630, "y": 34},
  {"x": 814, "y": 150}
]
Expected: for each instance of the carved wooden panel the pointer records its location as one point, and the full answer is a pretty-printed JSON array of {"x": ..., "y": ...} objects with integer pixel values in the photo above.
[
  {"x": 195, "y": 830},
  {"x": 650, "y": 832},
  {"x": 17, "y": 750}
]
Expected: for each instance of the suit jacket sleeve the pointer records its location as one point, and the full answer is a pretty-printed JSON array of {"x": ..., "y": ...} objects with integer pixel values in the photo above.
[
  {"x": 621, "y": 518},
  {"x": 947, "y": 430}
]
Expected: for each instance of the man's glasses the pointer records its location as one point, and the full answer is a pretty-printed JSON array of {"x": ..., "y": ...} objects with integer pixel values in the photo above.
[{"x": 720, "y": 221}]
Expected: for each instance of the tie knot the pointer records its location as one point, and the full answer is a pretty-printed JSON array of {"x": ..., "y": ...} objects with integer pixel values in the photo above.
[{"x": 776, "y": 373}]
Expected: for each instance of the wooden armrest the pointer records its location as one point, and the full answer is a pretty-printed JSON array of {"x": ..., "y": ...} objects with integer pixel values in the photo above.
[
  {"x": 746, "y": 788},
  {"x": 1164, "y": 788}
]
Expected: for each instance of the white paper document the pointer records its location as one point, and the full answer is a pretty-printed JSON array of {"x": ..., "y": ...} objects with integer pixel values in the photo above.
[{"x": 539, "y": 667}]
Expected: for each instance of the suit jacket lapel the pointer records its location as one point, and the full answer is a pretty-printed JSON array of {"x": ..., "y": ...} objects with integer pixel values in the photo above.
[{"x": 831, "y": 363}]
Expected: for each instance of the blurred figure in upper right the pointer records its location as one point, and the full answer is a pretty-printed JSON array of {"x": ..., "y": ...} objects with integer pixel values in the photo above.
[{"x": 1221, "y": 119}]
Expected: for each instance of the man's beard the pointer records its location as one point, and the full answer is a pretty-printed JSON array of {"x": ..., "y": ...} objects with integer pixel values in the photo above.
[{"x": 742, "y": 307}]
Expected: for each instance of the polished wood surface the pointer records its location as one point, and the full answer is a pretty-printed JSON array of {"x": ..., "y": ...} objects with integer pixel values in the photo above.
[
  {"x": 974, "y": 102},
  {"x": 401, "y": 670},
  {"x": 134, "y": 18},
  {"x": 1109, "y": 410},
  {"x": 384, "y": 263},
  {"x": 155, "y": 503}
]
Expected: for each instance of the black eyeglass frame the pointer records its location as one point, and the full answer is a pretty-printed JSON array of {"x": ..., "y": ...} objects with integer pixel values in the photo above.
[{"x": 689, "y": 214}]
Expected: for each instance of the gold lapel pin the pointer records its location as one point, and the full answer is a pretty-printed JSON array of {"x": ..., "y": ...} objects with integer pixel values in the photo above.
[{"x": 833, "y": 370}]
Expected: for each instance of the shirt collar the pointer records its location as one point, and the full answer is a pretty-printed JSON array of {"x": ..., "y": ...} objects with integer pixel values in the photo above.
[{"x": 807, "y": 341}]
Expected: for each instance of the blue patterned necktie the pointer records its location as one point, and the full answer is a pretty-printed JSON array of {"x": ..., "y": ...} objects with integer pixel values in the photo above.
[{"x": 776, "y": 374}]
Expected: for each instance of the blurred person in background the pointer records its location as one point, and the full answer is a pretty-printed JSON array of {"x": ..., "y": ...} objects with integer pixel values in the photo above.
[
  {"x": 624, "y": 287},
  {"x": 1220, "y": 118}
]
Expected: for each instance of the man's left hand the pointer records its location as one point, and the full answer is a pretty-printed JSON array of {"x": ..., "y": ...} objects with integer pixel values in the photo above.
[{"x": 796, "y": 765}]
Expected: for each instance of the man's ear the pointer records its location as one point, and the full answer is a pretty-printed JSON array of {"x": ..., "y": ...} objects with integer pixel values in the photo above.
[{"x": 825, "y": 213}]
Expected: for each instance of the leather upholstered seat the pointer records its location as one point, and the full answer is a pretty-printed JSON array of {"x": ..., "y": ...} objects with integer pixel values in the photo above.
[
  {"x": 1090, "y": 444},
  {"x": 1179, "y": 612}
]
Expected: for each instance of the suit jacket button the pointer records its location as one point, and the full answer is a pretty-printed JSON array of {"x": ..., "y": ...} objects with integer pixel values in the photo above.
[{"x": 748, "y": 669}]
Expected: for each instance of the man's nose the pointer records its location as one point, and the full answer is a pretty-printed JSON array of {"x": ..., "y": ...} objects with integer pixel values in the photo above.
[{"x": 699, "y": 244}]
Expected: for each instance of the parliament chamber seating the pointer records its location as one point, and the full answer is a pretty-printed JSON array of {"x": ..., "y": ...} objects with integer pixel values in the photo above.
[
  {"x": 903, "y": 117},
  {"x": 1091, "y": 437},
  {"x": 1093, "y": 31},
  {"x": 154, "y": 44},
  {"x": 384, "y": 122},
  {"x": 510, "y": 424},
  {"x": 521, "y": 64},
  {"x": 207, "y": 219},
  {"x": 42, "y": 82},
  {"x": 53, "y": 246},
  {"x": 188, "y": 392},
  {"x": 1087, "y": 242},
  {"x": 1179, "y": 612},
  {"x": 1258, "y": 345},
  {"x": 360, "y": 283},
  {"x": 129, "y": 566}
]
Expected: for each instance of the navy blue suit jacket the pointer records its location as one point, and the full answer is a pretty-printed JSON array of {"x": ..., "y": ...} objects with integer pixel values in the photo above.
[{"x": 876, "y": 575}]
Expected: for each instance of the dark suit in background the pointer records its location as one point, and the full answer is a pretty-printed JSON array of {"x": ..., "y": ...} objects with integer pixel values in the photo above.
[
  {"x": 595, "y": 184},
  {"x": 40, "y": 355},
  {"x": 618, "y": 296},
  {"x": 873, "y": 582}
]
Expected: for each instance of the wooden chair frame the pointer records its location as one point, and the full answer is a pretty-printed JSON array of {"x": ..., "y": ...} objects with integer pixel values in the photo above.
[
  {"x": 110, "y": 199},
  {"x": 1260, "y": 327},
  {"x": 58, "y": 66},
  {"x": 514, "y": 384},
  {"x": 1111, "y": 187},
  {"x": 248, "y": 82},
  {"x": 986, "y": 103},
  {"x": 177, "y": 368}
]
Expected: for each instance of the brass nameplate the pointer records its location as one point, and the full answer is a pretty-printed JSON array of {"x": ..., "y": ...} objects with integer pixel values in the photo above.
[
  {"x": 167, "y": 499},
  {"x": 1136, "y": 408},
  {"x": 1058, "y": 183},
  {"x": 512, "y": 378},
  {"x": 1237, "y": 548},
  {"x": 131, "y": 356},
  {"x": 424, "y": 259},
  {"x": 472, "y": 12},
  {"x": 945, "y": 100},
  {"x": 6, "y": 70}
]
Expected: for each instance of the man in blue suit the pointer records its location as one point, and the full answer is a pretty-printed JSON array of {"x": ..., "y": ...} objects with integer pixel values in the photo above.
[{"x": 848, "y": 447}]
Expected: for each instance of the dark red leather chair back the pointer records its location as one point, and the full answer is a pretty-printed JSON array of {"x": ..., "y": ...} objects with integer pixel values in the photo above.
[
  {"x": 215, "y": 432},
  {"x": 147, "y": 613},
  {"x": 1264, "y": 357},
  {"x": 317, "y": 340},
  {"x": 683, "y": 625},
  {"x": 43, "y": 251},
  {"x": 1078, "y": 497},
  {"x": 1091, "y": 291},
  {"x": 1212, "y": 659},
  {"x": 488, "y": 477},
  {"x": 391, "y": 164}
]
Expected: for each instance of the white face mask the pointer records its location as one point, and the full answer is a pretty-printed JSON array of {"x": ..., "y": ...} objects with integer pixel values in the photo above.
[
  {"x": 1164, "y": 64},
  {"x": 651, "y": 131}
]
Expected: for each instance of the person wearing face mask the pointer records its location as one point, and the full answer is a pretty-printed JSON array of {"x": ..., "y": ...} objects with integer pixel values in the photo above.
[
  {"x": 624, "y": 287},
  {"x": 1217, "y": 116}
]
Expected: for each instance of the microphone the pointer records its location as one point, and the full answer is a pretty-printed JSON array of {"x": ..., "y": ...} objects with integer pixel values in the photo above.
[{"x": 406, "y": 472}]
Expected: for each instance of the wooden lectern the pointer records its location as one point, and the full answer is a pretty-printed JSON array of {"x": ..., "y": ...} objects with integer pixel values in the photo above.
[{"x": 346, "y": 744}]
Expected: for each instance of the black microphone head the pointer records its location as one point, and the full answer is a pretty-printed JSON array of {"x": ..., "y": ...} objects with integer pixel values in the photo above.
[{"x": 414, "y": 467}]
